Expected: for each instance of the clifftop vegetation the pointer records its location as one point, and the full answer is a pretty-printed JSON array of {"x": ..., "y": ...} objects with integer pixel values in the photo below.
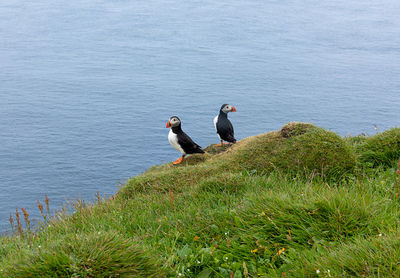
[{"x": 299, "y": 202}]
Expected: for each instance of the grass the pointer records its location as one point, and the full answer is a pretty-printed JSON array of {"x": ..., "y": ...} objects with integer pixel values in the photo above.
[
  {"x": 300, "y": 202},
  {"x": 380, "y": 149},
  {"x": 85, "y": 255}
]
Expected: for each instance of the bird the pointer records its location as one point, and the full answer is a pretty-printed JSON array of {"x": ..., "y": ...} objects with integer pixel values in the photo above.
[
  {"x": 180, "y": 140},
  {"x": 224, "y": 126}
]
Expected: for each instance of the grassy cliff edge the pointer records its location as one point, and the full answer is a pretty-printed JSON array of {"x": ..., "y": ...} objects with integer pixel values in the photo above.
[{"x": 298, "y": 202}]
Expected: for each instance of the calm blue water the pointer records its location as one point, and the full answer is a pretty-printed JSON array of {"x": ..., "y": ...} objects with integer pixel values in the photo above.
[{"x": 86, "y": 87}]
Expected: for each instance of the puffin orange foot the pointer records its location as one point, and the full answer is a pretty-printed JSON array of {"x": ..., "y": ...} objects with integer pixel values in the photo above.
[
  {"x": 178, "y": 161},
  {"x": 222, "y": 144}
]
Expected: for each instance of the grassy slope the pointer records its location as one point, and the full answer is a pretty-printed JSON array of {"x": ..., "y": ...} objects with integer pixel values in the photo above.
[{"x": 302, "y": 201}]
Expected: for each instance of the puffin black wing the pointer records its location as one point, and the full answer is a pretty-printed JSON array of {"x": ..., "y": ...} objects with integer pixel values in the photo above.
[
  {"x": 225, "y": 130},
  {"x": 188, "y": 145}
]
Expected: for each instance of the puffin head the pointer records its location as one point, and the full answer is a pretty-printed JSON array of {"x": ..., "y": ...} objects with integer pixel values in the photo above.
[
  {"x": 226, "y": 108},
  {"x": 173, "y": 121}
]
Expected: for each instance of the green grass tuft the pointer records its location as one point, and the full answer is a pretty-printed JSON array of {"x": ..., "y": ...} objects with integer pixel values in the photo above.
[
  {"x": 101, "y": 254},
  {"x": 382, "y": 149}
]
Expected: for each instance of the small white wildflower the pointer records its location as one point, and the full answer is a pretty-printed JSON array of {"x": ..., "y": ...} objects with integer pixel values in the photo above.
[
  {"x": 329, "y": 271},
  {"x": 226, "y": 258},
  {"x": 179, "y": 274},
  {"x": 380, "y": 235},
  {"x": 98, "y": 233},
  {"x": 40, "y": 246},
  {"x": 198, "y": 262},
  {"x": 226, "y": 233},
  {"x": 49, "y": 226},
  {"x": 317, "y": 271}
]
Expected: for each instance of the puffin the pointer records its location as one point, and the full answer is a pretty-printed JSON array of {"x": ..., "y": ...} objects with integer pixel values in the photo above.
[
  {"x": 224, "y": 126},
  {"x": 180, "y": 140}
]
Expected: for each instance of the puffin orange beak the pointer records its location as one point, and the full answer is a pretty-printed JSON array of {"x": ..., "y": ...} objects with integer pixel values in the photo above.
[
  {"x": 168, "y": 125},
  {"x": 233, "y": 109}
]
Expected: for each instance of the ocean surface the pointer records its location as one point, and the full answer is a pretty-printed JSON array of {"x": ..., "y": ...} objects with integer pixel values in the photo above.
[{"x": 87, "y": 86}]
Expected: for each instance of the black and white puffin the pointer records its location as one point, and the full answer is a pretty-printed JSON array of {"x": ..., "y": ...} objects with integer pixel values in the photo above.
[
  {"x": 180, "y": 140},
  {"x": 223, "y": 125}
]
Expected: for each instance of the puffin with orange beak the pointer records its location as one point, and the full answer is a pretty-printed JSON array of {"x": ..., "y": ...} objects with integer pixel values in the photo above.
[
  {"x": 180, "y": 140},
  {"x": 224, "y": 126}
]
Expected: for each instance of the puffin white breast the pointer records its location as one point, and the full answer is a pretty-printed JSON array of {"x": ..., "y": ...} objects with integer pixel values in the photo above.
[
  {"x": 173, "y": 140},
  {"x": 215, "y": 122},
  {"x": 215, "y": 125}
]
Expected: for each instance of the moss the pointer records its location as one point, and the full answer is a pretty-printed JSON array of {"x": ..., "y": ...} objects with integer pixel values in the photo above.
[
  {"x": 295, "y": 129},
  {"x": 308, "y": 150},
  {"x": 215, "y": 149},
  {"x": 189, "y": 160},
  {"x": 320, "y": 152},
  {"x": 382, "y": 149},
  {"x": 176, "y": 178},
  {"x": 194, "y": 159}
]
